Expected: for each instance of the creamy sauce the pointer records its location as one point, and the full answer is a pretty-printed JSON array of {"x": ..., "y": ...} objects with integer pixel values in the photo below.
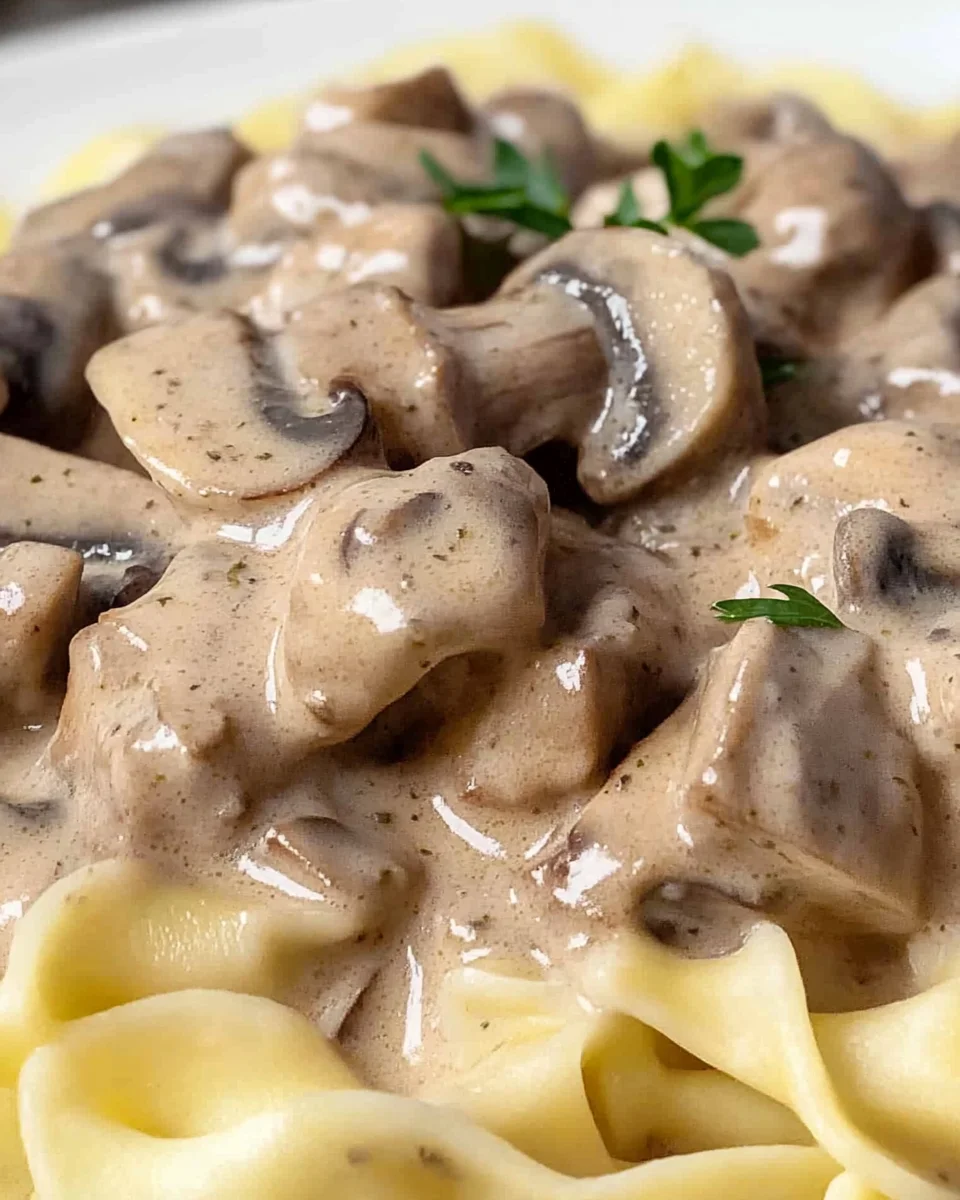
[{"x": 339, "y": 654}]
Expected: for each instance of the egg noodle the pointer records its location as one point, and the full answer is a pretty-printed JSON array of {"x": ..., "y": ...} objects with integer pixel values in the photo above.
[{"x": 145, "y": 1057}]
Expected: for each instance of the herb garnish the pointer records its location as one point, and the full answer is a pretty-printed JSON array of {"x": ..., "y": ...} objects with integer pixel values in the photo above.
[
  {"x": 799, "y": 608},
  {"x": 694, "y": 174},
  {"x": 530, "y": 194},
  {"x": 526, "y": 192},
  {"x": 776, "y": 369}
]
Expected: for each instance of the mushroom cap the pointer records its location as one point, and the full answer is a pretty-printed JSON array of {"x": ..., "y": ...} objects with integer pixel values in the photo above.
[
  {"x": 414, "y": 247},
  {"x": 429, "y": 99},
  {"x": 54, "y": 313},
  {"x": 394, "y": 151},
  {"x": 186, "y": 172},
  {"x": 212, "y": 409},
  {"x": 539, "y": 122},
  {"x": 683, "y": 377},
  {"x": 170, "y": 270},
  {"x": 288, "y": 195},
  {"x": 407, "y": 569},
  {"x": 838, "y": 242}
]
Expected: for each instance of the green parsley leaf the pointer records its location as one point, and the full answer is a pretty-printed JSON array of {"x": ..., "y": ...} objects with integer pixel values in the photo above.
[
  {"x": 799, "y": 608},
  {"x": 736, "y": 237},
  {"x": 775, "y": 370},
  {"x": 695, "y": 174},
  {"x": 627, "y": 213},
  {"x": 527, "y": 193}
]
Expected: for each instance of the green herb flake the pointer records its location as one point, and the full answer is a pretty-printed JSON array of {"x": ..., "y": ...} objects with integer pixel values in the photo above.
[
  {"x": 627, "y": 213},
  {"x": 530, "y": 194},
  {"x": 233, "y": 575},
  {"x": 776, "y": 369},
  {"x": 527, "y": 192},
  {"x": 800, "y": 608}
]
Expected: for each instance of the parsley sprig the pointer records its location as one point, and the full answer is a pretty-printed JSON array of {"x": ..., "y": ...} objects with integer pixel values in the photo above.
[
  {"x": 776, "y": 369},
  {"x": 694, "y": 174},
  {"x": 530, "y": 194},
  {"x": 800, "y": 608}
]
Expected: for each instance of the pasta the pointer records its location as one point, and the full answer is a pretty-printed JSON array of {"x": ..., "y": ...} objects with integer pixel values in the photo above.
[{"x": 131, "y": 1085}]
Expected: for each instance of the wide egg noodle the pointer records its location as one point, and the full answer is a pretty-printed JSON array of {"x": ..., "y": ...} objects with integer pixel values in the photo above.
[
  {"x": 210, "y": 1095},
  {"x": 205, "y": 1094},
  {"x": 879, "y": 1090},
  {"x": 587, "y": 1091}
]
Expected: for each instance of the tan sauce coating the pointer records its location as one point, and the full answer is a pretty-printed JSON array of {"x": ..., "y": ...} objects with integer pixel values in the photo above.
[{"x": 333, "y": 650}]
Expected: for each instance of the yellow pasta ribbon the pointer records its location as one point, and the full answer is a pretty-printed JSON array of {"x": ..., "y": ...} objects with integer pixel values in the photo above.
[{"x": 878, "y": 1090}]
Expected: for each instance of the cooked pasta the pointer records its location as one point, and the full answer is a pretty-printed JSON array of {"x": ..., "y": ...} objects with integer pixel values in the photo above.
[{"x": 138, "y": 1077}]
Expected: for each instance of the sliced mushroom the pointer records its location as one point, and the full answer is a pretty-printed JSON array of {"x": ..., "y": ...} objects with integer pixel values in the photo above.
[
  {"x": 682, "y": 382},
  {"x": 38, "y": 598},
  {"x": 838, "y": 242},
  {"x": 544, "y": 723},
  {"x": 394, "y": 151},
  {"x": 117, "y": 521},
  {"x": 778, "y": 117},
  {"x": 429, "y": 99},
  {"x": 54, "y": 313},
  {"x": 404, "y": 571},
  {"x": 213, "y": 409},
  {"x": 279, "y": 198},
  {"x": 880, "y": 561},
  {"x": 781, "y": 783},
  {"x": 414, "y": 247},
  {"x": 183, "y": 173},
  {"x": 168, "y": 271},
  {"x": 541, "y": 123},
  {"x": 906, "y": 365},
  {"x": 943, "y": 226},
  {"x": 932, "y": 173},
  {"x": 796, "y": 500}
]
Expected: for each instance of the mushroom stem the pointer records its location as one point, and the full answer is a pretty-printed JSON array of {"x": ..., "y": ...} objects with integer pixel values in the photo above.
[{"x": 530, "y": 366}]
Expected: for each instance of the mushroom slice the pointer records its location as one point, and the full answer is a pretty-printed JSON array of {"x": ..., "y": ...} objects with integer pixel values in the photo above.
[
  {"x": 186, "y": 172},
  {"x": 116, "y": 521},
  {"x": 546, "y": 721},
  {"x": 168, "y": 271},
  {"x": 881, "y": 562},
  {"x": 429, "y": 99},
  {"x": 413, "y": 247},
  {"x": 779, "y": 117},
  {"x": 54, "y": 313},
  {"x": 213, "y": 409},
  {"x": 905, "y": 365},
  {"x": 683, "y": 382},
  {"x": 404, "y": 571},
  {"x": 932, "y": 173},
  {"x": 781, "y": 783},
  {"x": 797, "y": 499},
  {"x": 38, "y": 598},
  {"x": 394, "y": 151},
  {"x": 838, "y": 242},
  {"x": 289, "y": 195},
  {"x": 542, "y": 122}
]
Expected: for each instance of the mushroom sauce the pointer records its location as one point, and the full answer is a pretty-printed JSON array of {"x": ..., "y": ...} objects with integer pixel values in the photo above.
[{"x": 361, "y": 560}]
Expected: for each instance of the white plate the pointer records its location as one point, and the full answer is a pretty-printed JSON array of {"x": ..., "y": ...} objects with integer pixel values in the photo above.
[{"x": 190, "y": 64}]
